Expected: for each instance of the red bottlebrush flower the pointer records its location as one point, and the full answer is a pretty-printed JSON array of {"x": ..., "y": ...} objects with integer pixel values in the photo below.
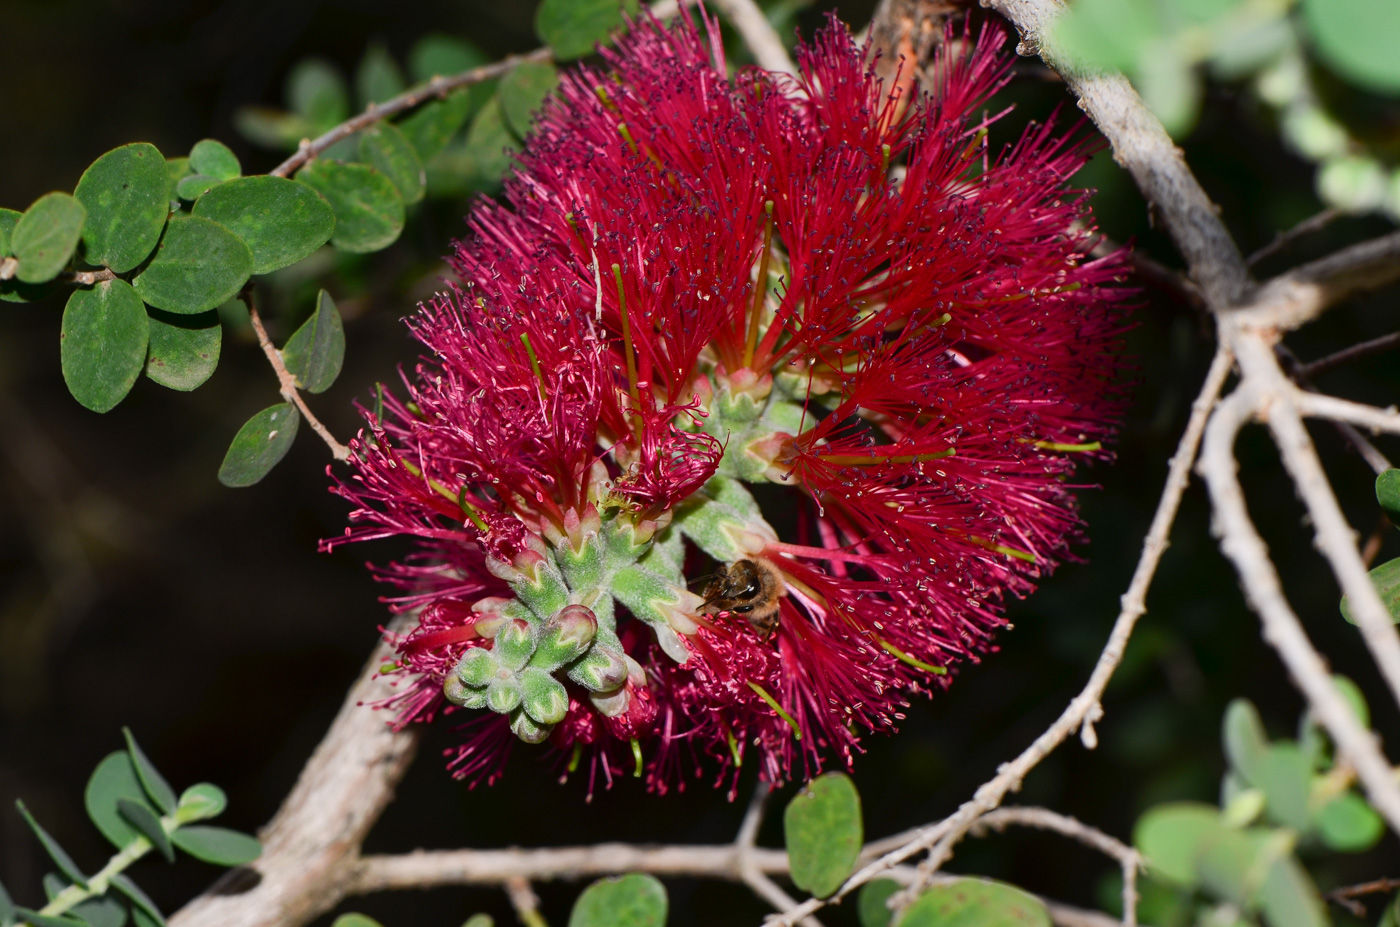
[{"x": 696, "y": 284}]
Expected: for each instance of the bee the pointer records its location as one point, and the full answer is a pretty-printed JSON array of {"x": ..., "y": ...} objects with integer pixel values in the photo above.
[{"x": 750, "y": 588}]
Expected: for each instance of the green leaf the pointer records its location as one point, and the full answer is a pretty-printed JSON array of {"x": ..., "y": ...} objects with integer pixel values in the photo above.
[
  {"x": 272, "y": 128},
  {"x": 46, "y": 236},
  {"x": 1289, "y": 898},
  {"x": 388, "y": 151},
  {"x": 103, "y": 343},
  {"x": 1386, "y": 579},
  {"x": 480, "y": 920},
  {"x": 1356, "y": 38},
  {"x": 430, "y": 127},
  {"x": 1387, "y": 484},
  {"x": 101, "y": 911},
  {"x": 355, "y": 920},
  {"x": 214, "y": 158},
  {"x": 1108, "y": 35},
  {"x": 1245, "y": 739},
  {"x": 114, "y": 780},
  {"x": 1349, "y": 825},
  {"x": 367, "y": 205},
  {"x": 822, "y": 830},
  {"x": 141, "y": 817},
  {"x": 522, "y": 92},
  {"x": 217, "y": 845},
  {"x": 183, "y": 349},
  {"x": 53, "y": 884},
  {"x": 125, "y": 195},
  {"x": 1285, "y": 776},
  {"x": 199, "y": 265},
  {"x": 7, "y": 906},
  {"x": 1233, "y": 864},
  {"x": 316, "y": 92},
  {"x": 633, "y": 900},
  {"x": 870, "y": 903},
  {"x": 122, "y": 883},
  {"x": 140, "y": 918},
  {"x": 201, "y": 801},
  {"x": 1169, "y": 836},
  {"x": 281, "y": 221},
  {"x": 193, "y": 186},
  {"x": 490, "y": 143},
  {"x": 259, "y": 445},
  {"x": 56, "y": 853},
  {"x": 316, "y": 350},
  {"x": 35, "y": 919},
  {"x": 176, "y": 169},
  {"x": 573, "y": 27},
  {"x": 152, "y": 781},
  {"x": 975, "y": 903},
  {"x": 378, "y": 77},
  {"x": 8, "y": 218},
  {"x": 1351, "y": 692},
  {"x": 438, "y": 55}
]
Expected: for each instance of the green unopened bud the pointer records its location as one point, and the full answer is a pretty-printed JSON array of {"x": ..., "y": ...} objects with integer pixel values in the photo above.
[
  {"x": 503, "y": 695},
  {"x": 544, "y": 697},
  {"x": 611, "y": 704},
  {"x": 458, "y": 693},
  {"x": 477, "y": 667},
  {"x": 528, "y": 729},
  {"x": 514, "y": 644},
  {"x": 602, "y": 670},
  {"x": 565, "y": 637}
]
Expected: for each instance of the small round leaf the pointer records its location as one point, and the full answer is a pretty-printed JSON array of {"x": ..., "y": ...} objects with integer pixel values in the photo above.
[
  {"x": 176, "y": 169},
  {"x": 871, "y": 903},
  {"x": 1285, "y": 776},
  {"x": 260, "y": 444},
  {"x": 316, "y": 350},
  {"x": 1170, "y": 836},
  {"x": 113, "y": 781},
  {"x": 490, "y": 143},
  {"x": 1289, "y": 898},
  {"x": 378, "y": 76},
  {"x": 388, "y": 151},
  {"x": 1387, "y": 484},
  {"x": 1245, "y": 740},
  {"x": 192, "y": 186},
  {"x": 124, "y": 192},
  {"x": 46, "y": 236},
  {"x": 975, "y": 903},
  {"x": 104, "y": 338},
  {"x": 634, "y": 900},
  {"x": 199, "y": 265},
  {"x": 201, "y": 801},
  {"x": 281, "y": 221},
  {"x": 823, "y": 831},
  {"x": 367, "y": 205},
  {"x": 438, "y": 55},
  {"x": 430, "y": 127},
  {"x": 317, "y": 93},
  {"x": 1349, "y": 825},
  {"x": 8, "y": 218},
  {"x": 184, "y": 349},
  {"x": 1357, "y": 39},
  {"x": 573, "y": 27},
  {"x": 522, "y": 92},
  {"x": 355, "y": 920},
  {"x": 214, "y": 158},
  {"x": 1386, "y": 579},
  {"x": 217, "y": 845}
]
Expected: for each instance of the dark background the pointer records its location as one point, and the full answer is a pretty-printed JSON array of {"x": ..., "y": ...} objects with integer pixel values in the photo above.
[{"x": 135, "y": 590}]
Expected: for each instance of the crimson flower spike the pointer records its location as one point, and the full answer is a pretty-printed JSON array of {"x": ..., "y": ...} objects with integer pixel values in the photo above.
[{"x": 696, "y": 284}]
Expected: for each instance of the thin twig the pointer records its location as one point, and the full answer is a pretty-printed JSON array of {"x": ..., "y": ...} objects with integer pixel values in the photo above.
[
  {"x": 1346, "y": 356},
  {"x": 1242, "y": 544},
  {"x": 287, "y": 383},
  {"x": 749, "y": 871},
  {"x": 1289, "y": 300},
  {"x": 1297, "y": 372},
  {"x": 758, "y": 34},
  {"x": 1084, "y": 710},
  {"x": 1285, "y": 238},
  {"x": 1347, "y": 894},
  {"x": 525, "y": 902}
]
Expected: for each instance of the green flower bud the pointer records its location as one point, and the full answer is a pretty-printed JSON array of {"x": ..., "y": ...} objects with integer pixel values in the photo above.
[
  {"x": 477, "y": 667},
  {"x": 527, "y": 729},
  {"x": 603, "y": 669},
  {"x": 458, "y": 693},
  {"x": 545, "y": 699},
  {"x": 514, "y": 644},
  {"x": 611, "y": 704},
  {"x": 565, "y": 637},
  {"x": 503, "y": 695}
]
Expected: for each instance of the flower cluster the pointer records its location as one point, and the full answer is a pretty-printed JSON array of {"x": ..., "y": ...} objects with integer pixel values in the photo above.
[{"x": 752, "y": 406}]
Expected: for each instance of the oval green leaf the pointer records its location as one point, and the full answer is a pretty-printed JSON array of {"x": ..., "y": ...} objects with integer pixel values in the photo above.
[
  {"x": 368, "y": 208},
  {"x": 378, "y": 76},
  {"x": 192, "y": 186},
  {"x": 60, "y": 857},
  {"x": 1357, "y": 39},
  {"x": 46, "y": 236},
  {"x": 184, "y": 349},
  {"x": 1169, "y": 836},
  {"x": 1387, "y": 484},
  {"x": 1349, "y": 825},
  {"x": 212, "y": 157},
  {"x": 634, "y": 900},
  {"x": 8, "y": 218},
  {"x": 523, "y": 91},
  {"x": 124, "y": 192},
  {"x": 260, "y": 444},
  {"x": 316, "y": 350},
  {"x": 975, "y": 903},
  {"x": 573, "y": 27},
  {"x": 34, "y": 919},
  {"x": 201, "y": 801},
  {"x": 490, "y": 144},
  {"x": 113, "y": 781},
  {"x": 1386, "y": 579},
  {"x": 1245, "y": 739},
  {"x": 823, "y": 832},
  {"x": 1285, "y": 776},
  {"x": 440, "y": 55},
  {"x": 217, "y": 845},
  {"x": 176, "y": 169},
  {"x": 101, "y": 911},
  {"x": 355, "y": 920},
  {"x": 199, "y": 265},
  {"x": 281, "y": 221},
  {"x": 430, "y": 127},
  {"x": 7, "y": 906},
  {"x": 103, "y": 344},
  {"x": 141, "y": 817},
  {"x": 152, "y": 781},
  {"x": 871, "y": 903},
  {"x": 387, "y": 150},
  {"x": 143, "y": 903},
  {"x": 316, "y": 92},
  {"x": 1289, "y": 898}
]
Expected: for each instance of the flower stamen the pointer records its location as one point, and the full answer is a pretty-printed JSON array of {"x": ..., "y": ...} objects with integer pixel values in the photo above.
[
  {"x": 773, "y": 704},
  {"x": 760, "y": 286},
  {"x": 903, "y": 657}
]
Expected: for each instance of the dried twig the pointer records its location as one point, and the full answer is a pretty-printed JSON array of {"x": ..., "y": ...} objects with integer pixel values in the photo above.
[
  {"x": 525, "y": 902},
  {"x": 1285, "y": 238},
  {"x": 287, "y": 384},
  {"x": 1356, "y": 352},
  {"x": 1346, "y": 895},
  {"x": 758, "y": 34}
]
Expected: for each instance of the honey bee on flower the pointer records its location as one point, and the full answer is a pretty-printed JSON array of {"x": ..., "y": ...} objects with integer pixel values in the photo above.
[{"x": 697, "y": 285}]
